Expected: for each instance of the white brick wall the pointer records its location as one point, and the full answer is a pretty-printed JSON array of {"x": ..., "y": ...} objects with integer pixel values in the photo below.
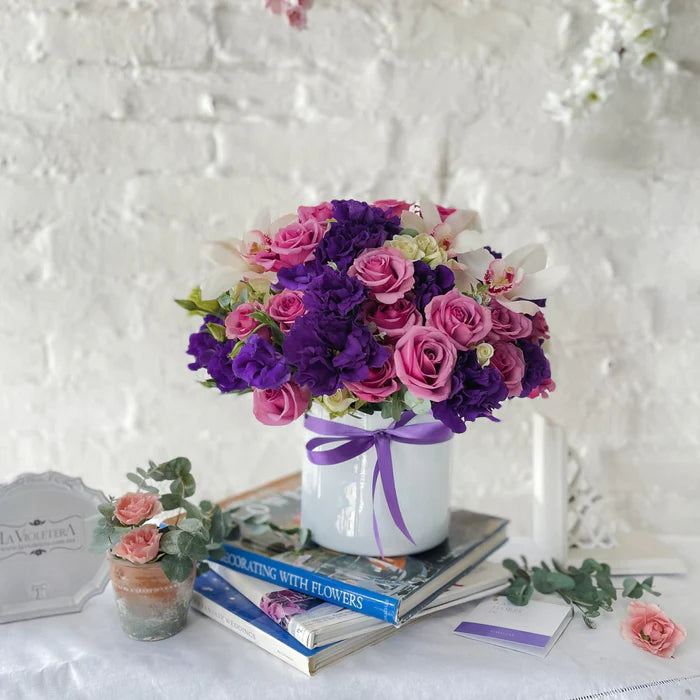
[{"x": 131, "y": 131}]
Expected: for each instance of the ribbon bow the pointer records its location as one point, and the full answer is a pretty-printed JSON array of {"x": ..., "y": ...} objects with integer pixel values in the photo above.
[{"x": 356, "y": 441}]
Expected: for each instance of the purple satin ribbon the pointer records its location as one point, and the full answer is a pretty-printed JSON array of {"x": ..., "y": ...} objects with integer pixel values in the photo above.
[{"x": 356, "y": 441}]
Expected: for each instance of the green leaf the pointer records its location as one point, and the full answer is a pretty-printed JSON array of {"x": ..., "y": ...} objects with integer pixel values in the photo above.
[
  {"x": 209, "y": 383},
  {"x": 205, "y": 506},
  {"x": 409, "y": 232},
  {"x": 186, "y": 304},
  {"x": 176, "y": 568},
  {"x": 217, "y": 330},
  {"x": 217, "y": 552},
  {"x": 519, "y": 592},
  {"x": 511, "y": 565},
  {"x": 170, "y": 501},
  {"x": 265, "y": 320},
  {"x": 631, "y": 589},
  {"x": 170, "y": 542},
  {"x": 106, "y": 510},
  {"x": 648, "y": 581},
  {"x": 304, "y": 537},
  {"x": 192, "y": 546},
  {"x": 135, "y": 478},
  {"x": 191, "y": 525}
]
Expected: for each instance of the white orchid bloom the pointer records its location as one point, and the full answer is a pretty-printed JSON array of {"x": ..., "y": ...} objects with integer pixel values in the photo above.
[
  {"x": 235, "y": 257},
  {"x": 518, "y": 277}
]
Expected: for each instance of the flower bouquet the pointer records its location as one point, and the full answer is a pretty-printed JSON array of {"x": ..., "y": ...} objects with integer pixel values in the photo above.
[{"x": 373, "y": 312}]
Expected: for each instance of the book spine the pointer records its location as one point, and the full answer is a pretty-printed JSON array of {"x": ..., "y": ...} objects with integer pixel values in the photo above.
[
  {"x": 250, "y": 632},
  {"x": 347, "y": 596}
]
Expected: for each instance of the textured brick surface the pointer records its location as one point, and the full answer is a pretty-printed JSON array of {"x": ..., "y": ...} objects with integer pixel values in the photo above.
[{"x": 131, "y": 131}]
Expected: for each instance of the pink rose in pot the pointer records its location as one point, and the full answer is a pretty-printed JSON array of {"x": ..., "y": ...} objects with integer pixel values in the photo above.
[
  {"x": 381, "y": 382},
  {"x": 280, "y": 406},
  {"x": 140, "y": 545},
  {"x": 385, "y": 272},
  {"x": 507, "y": 324},
  {"x": 393, "y": 319},
  {"x": 295, "y": 244},
  {"x": 649, "y": 628},
  {"x": 509, "y": 361},
  {"x": 285, "y": 307},
  {"x": 239, "y": 324},
  {"x": 462, "y": 318},
  {"x": 136, "y": 508},
  {"x": 425, "y": 358}
]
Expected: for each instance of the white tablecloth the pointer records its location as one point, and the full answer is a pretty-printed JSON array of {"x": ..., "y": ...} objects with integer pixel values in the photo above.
[{"x": 86, "y": 655}]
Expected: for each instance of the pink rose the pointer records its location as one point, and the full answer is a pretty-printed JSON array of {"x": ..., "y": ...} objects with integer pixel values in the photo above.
[
  {"x": 295, "y": 244},
  {"x": 136, "y": 508},
  {"x": 140, "y": 545},
  {"x": 321, "y": 212},
  {"x": 385, "y": 272},
  {"x": 425, "y": 358},
  {"x": 393, "y": 207},
  {"x": 285, "y": 307},
  {"x": 649, "y": 628},
  {"x": 393, "y": 319},
  {"x": 380, "y": 383},
  {"x": 507, "y": 324},
  {"x": 540, "y": 329},
  {"x": 239, "y": 324},
  {"x": 280, "y": 406},
  {"x": 509, "y": 361},
  {"x": 462, "y": 318}
]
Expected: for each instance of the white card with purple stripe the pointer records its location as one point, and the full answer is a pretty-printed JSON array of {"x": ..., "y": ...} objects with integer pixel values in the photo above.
[{"x": 533, "y": 628}]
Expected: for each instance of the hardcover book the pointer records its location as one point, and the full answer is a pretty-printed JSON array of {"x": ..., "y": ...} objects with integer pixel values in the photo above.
[
  {"x": 314, "y": 623},
  {"x": 220, "y": 601},
  {"x": 391, "y": 589}
]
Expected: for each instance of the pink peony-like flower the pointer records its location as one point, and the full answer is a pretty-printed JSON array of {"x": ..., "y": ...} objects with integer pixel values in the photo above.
[
  {"x": 295, "y": 243},
  {"x": 507, "y": 324},
  {"x": 285, "y": 307},
  {"x": 463, "y": 319},
  {"x": 649, "y": 628},
  {"x": 239, "y": 325},
  {"x": 385, "y": 272},
  {"x": 140, "y": 545},
  {"x": 136, "y": 508},
  {"x": 540, "y": 329},
  {"x": 381, "y": 382},
  {"x": 280, "y": 406},
  {"x": 393, "y": 207},
  {"x": 425, "y": 358},
  {"x": 393, "y": 319},
  {"x": 321, "y": 212},
  {"x": 509, "y": 361}
]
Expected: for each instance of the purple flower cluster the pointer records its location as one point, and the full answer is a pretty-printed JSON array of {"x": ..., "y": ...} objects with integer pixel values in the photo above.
[
  {"x": 430, "y": 283},
  {"x": 476, "y": 392},
  {"x": 328, "y": 350},
  {"x": 356, "y": 227},
  {"x": 537, "y": 369},
  {"x": 298, "y": 276},
  {"x": 334, "y": 292},
  {"x": 259, "y": 365}
]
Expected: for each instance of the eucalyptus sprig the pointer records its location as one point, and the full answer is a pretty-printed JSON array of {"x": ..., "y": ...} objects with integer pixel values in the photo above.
[
  {"x": 194, "y": 534},
  {"x": 588, "y": 588}
]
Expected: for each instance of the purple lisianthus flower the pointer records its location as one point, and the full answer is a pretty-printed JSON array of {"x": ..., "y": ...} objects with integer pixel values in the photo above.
[
  {"x": 334, "y": 292},
  {"x": 476, "y": 392},
  {"x": 328, "y": 349},
  {"x": 213, "y": 356},
  {"x": 298, "y": 276},
  {"x": 261, "y": 365},
  {"x": 537, "y": 369},
  {"x": 357, "y": 226},
  {"x": 430, "y": 283}
]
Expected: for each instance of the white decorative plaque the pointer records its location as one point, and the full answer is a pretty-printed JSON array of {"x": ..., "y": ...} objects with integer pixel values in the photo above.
[{"x": 46, "y": 564}]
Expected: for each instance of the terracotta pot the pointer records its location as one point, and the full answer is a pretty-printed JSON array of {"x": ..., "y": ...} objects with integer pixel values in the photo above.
[{"x": 150, "y": 606}]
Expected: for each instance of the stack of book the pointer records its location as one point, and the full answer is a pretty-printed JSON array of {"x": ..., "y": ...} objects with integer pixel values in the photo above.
[{"x": 313, "y": 607}]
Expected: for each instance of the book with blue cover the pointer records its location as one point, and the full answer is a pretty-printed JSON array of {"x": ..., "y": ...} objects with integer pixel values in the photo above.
[
  {"x": 391, "y": 589},
  {"x": 220, "y": 601}
]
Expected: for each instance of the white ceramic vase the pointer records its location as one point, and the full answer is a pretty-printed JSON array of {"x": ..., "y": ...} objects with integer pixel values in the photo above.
[{"x": 336, "y": 500}]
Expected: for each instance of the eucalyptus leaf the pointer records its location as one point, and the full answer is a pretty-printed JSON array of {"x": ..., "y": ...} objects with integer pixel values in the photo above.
[
  {"x": 176, "y": 568},
  {"x": 170, "y": 501},
  {"x": 170, "y": 541},
  {"x": 191, "y": 525}
]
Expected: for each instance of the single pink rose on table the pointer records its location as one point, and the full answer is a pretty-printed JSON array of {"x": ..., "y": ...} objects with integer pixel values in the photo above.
[
  {"x": 385, "y": 272},
  {"x": 320, "y": 213},
  {"x": 285, "y": 307},
  {"x": 392, "y": 319},
  {"x": 509, "y": 361},
  {"x": 507, "y": 324},
  {"x": 462, "y": 318},
  {"x": 295, "y": 244},
  {"x": 381, "y": 382},
  {"x": 140, "y": 545},
  {"x": 280, "y": 406},
  {"x": 425, "y": 358},
  {"x": 239, "y": 324},
  {"x": 136, "y": 508},
  {"x": 649, "y": 628}
]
